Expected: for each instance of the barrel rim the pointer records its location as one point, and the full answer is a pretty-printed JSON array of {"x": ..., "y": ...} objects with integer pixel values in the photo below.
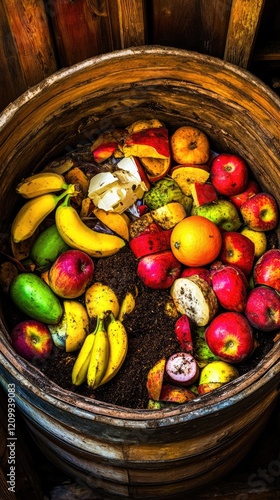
[
  {"x": 31, "y": 378},
  {"x": 32, "y": 92}
]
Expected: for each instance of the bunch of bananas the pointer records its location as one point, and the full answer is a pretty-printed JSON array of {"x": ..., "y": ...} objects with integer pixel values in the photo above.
[
  {"x": 40, "y": 189},
  {"x": 104, "y": 350}
]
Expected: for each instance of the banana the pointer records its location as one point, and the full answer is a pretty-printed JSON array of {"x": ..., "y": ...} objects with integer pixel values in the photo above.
[
  {"x": 99, "y": 356},
  {"x": 33, "y": 212},
  {"x": 80, "y": 368},
  {"x": 42, "y": 183},
  {"x": 127, "y": 306},
  {"x": 118, "y": 342},
  {"x": 101, "y": 300},
  {"x": 78, "y": 235},
  {"x": 70, "y": 333}
]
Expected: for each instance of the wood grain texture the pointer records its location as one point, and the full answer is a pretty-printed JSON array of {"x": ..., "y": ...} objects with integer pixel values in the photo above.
[
  {"x": 29, "y": 29},
  {"x": 132, "y": 23},
  {"x": 243, "y": 25},
  {"x": 12, "y": 80},
  {"x": 199, "y": 25},
  {"x": 81, "y": 29}
]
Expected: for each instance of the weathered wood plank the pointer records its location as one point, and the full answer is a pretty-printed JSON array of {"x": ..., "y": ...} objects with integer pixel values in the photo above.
[
  {"x": 132, "y": 23},
  {"x": 242, "y": 30},
  {"x": 80, "y": 29},
  {"x": 29, "y": 28},
  {"x": 199, "y": 25},
  {"x": 10, "y": 69}
]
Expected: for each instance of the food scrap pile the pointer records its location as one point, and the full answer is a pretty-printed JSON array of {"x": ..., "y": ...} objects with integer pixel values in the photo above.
[{"x": 157, "y": 222}]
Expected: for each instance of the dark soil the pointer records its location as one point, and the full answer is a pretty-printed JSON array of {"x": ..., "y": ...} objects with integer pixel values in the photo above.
[
  {"x": 151, "y": 336},
  {"x": 150, "y": 332}
]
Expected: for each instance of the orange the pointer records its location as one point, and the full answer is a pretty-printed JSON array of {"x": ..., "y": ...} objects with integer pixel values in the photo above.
[{"x": 196, "y": 241}]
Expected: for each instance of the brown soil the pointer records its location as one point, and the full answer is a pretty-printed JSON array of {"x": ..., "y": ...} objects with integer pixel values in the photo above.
[{"x": 151, "y": 336}]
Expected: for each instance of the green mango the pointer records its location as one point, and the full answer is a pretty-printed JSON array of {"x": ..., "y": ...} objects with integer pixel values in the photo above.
[
  {"x": 35, "y": 298},
  {"x": 47, "y": 247},
  {"x": 222, "y": 212}
]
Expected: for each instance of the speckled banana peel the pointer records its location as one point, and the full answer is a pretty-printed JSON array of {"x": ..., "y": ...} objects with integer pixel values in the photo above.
[
  {"x": 80, "y": 368},
  {"x": 118, "y": 342},
  {"x": 78, "y": 235},
  {"x": 42, "y": 183},
  {"x": 127, "y": 306},
  {"x": 101, "y": 300},
  {"x": 99, "y": 356},
  {"x": 33, "y": 212}
]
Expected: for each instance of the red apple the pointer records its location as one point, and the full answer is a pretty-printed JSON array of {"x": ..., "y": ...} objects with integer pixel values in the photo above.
[
  {"x": 251, "y": 189},
  {"x": 159, "y": 270},
  {"x": 150, "y": 143},
  {"x": 267, "y": 269},
  {"x": 230, "y": 286},
  {"x": 230, "y": 337},
  {"x": 32, "y": 340},
  {"x": 237, "y": 250},
  {"x": 263, "y": 308},
  {"x": 260, "y": 212},
  {"x": 149, "y": 243},
  {"x": 202, "y": 272},
  {"x": 183, "y": 333},
  {"x": 71, "y": 273},
  {"x": 229, "y": 174},
  {"x": 203, "y": 193}
]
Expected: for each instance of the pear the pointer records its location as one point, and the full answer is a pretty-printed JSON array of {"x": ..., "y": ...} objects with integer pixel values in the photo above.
[{"x": 222, "y": 212}]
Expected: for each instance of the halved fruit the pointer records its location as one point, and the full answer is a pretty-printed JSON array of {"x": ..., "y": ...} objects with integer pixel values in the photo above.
[
  {"x": 203, "y": 193},
  {"x": 151, "y": 143},
  {"x": 185, "y": 175},
  {"x": 156, "y": 168},
  {"x": 169, "y": 215},
  {"x": 114, "y": 221}
]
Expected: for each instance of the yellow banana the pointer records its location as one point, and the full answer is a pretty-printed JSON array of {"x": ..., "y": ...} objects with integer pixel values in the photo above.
[
  {"x": 42, "y": 183},
  {"x": 118, "y": 342},
  {"x": 101, "y": 300},
  {"x": 71, "y": 331},
  {"x": 33, "y": 212},
  {"x": 78, "y": 235},
  {"x": 99, "y": 356},
  {"x": 127, "y": 306},
  {"x": 80, "y": 368}
]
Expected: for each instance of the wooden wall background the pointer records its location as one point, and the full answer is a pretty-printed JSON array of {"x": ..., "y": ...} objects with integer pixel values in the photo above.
[{"x": 39, "y": 37}]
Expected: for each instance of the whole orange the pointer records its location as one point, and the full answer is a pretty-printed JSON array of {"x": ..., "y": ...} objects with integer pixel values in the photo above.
[{"x": 196, "y": 241}]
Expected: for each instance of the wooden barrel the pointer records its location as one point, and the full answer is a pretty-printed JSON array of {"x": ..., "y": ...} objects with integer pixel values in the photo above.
[{"x": 120, "y": 452}]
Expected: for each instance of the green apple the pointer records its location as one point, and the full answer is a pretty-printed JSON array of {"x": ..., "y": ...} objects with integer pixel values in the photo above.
[{"x": 222, "y": 212}]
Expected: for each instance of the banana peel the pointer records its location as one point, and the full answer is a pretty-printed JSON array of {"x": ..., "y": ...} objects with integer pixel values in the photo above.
[
  {"x": 101, "y": 300},
  {"x": 71, "y": 331}
]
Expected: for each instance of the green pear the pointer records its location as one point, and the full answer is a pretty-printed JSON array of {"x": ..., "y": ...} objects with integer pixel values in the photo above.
[{"x": 222, "y": 212}]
